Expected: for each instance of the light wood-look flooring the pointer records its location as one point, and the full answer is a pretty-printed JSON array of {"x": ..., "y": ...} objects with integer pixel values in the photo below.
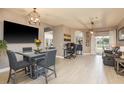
[{"x": 86, "y": 69}]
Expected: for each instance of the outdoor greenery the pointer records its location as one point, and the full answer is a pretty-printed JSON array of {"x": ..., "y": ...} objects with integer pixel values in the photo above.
[
  {"x": 103, "y": 42},
  {"x": 3, "y": 46}
]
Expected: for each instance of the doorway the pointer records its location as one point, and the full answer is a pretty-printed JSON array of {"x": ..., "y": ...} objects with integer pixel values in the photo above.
[
  {"x": 79, "y": 37},
  {"x": 48, "y": 38},
  {"x": 78, "y": 40},
  {"x": 102, "y": 42}
]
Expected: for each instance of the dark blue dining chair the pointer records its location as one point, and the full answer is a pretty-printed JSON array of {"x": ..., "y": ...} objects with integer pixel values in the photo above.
[
  {"x": 15, "y": 66},
  {"x": 51, "y": 48},
  {"x": 49, "y": 62},
  {"x": 27, "y": 49}
]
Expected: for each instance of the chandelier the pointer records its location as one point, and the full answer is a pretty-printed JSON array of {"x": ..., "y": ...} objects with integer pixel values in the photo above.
[
  {"x": 34, "y": 17},
  {"x": 93, "y": 21}
]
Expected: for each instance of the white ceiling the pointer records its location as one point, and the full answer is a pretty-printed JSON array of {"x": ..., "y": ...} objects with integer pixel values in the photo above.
[{"x": 77, "y": 17}]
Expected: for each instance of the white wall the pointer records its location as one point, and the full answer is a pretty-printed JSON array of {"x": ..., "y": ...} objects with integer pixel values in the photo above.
[
  {"x": 58, "y": 39},
  {"x": 1, "y": 30},
  {"x": 112, "y": 35},
  {"x": 86, "y": 49},
  {"x": 93, "y": 44}
]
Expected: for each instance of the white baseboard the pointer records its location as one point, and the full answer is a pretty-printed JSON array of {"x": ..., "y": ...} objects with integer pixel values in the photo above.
[
  {"x": 93, "y": 53},
  {"x": 59, "y": 56},
  {"x": 89, "y": 53}
]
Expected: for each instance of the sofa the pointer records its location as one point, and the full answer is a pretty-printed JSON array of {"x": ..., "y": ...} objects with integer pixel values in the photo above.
[{"x": 109, "y": 56}]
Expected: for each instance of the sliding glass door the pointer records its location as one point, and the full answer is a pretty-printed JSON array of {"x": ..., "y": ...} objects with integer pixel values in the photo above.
[{"x": 102, "y": 42}]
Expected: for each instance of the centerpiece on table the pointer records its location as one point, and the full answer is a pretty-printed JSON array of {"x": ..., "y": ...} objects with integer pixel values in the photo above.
[{"x": 38, "y": 43}]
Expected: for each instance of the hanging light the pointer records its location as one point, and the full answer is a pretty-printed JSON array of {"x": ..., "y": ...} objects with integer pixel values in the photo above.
[
  {"x": 91, "y": 32},
  {"x": 92, "y": 24},
  {"x": 34, "y": 17}
]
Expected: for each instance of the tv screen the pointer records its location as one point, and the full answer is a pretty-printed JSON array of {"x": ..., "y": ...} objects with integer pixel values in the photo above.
[{"x": 18, "y": 33}]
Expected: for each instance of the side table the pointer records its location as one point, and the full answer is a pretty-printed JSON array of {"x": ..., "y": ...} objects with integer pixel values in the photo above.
[{"x": 119, "y": 66}]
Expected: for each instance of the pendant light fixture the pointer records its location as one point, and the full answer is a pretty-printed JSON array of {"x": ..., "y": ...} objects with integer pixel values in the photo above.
[{"x": 34, "y": 17}]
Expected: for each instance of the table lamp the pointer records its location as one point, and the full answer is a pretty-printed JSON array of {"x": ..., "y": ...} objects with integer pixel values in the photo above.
[{"x": 122, "y": 50}]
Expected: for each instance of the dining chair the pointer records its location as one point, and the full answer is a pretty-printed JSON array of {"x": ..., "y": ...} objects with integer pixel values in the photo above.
[
  {"x": 27, "y": 49},
  {"x": 51, "y": 48},
  {"x": 49, "y": 62},
  {"x": 15, "y": 66}
]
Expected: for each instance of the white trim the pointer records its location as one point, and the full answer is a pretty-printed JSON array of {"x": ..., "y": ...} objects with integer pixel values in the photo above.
[
  {"x": 4, "y": 69},
  {"x": 93, "y": 53},
  {"x": 60, "y": 56},
  {"x": 89, "y": 53},
  {"x": 86, "y": 53}
]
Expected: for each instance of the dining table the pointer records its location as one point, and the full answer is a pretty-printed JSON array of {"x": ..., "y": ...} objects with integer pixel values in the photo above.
[{"x": 32, "y": 57}]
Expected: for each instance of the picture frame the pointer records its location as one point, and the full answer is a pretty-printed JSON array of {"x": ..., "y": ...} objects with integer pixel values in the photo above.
[
  {"x": 120, "y": 34},
  {"x": 67, "y": 37}
]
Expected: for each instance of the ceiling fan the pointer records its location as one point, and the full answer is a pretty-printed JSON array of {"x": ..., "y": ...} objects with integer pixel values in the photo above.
[{"x": 90, "y": 25}]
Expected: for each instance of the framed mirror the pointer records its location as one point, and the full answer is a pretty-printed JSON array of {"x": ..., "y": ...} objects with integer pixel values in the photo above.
[{"x": 121, "y": 34}]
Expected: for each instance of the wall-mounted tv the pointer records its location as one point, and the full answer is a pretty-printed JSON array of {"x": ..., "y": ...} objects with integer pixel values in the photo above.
[{"x": 18, "y": 33}]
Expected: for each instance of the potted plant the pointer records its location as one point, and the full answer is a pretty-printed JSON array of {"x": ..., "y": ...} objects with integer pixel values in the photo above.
[{"x": 3, "y": 47}]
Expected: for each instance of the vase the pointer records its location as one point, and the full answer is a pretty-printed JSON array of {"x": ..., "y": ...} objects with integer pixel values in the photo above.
[{"x": 38, "y": 49}]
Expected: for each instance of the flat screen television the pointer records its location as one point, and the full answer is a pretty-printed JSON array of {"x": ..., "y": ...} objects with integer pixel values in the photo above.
[{"x": 18, "y": 33}]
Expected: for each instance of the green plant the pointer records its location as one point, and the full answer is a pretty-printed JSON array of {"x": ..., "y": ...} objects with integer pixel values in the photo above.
[{"x": 3, "y": 46}]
